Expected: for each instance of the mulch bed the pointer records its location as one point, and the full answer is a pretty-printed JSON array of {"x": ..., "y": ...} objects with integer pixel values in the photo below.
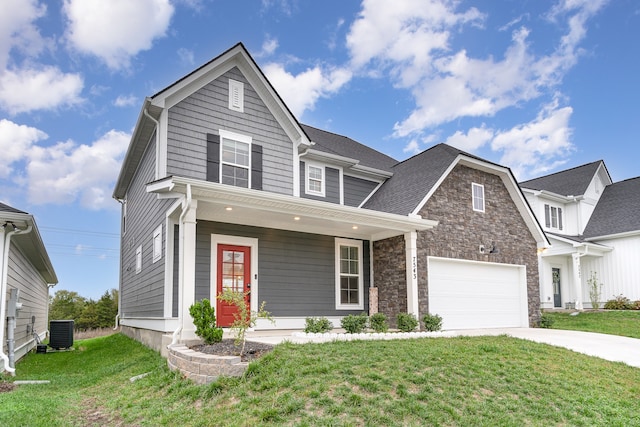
[
  {"x": 227, "y": 347},
  {"x": 6, "y": 387}
]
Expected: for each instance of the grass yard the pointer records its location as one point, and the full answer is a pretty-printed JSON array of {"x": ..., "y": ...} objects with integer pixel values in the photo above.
[
  {"x": 614, "y": 322},
  {"x": 434, "y": 381}
]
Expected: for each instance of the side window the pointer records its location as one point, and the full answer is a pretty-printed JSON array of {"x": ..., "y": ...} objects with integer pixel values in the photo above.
[
  {"x": 235, "y": 159},
  {"x": 553, "y": 217},
  {"x": 477, "y": 191},
  {"x": 314, "y": 179},
  {"x": 138, "y": 259},
  {"x": 157, "y": 244},
  {"x": 349, "y": 278},
  {"x": 124, "y": 216}
]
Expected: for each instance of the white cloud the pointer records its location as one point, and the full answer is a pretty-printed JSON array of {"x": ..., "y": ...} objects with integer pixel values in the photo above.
[
  {"x": 125, "y": 101},
  {"x": 17, "y": 28},
  {"x": 186, "y": 56},
  {"x": 269, "y": 46},
  {"x": 472, "y": 140},
  {"x": 301, "y": 92},
  {"x": 412, "y": 148},
  {"x": 411, "y": 41},
  {"x": 15, "y": 142},
  {"x": 67, "y": 172},
  {"x": 539, "y": 146},
  {"x": 116, "y": 30},
  {"x": 33, "y": 89}
]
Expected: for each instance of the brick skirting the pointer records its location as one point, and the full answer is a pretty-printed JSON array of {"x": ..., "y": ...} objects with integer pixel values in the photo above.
[{"x": 203, "y": 368}]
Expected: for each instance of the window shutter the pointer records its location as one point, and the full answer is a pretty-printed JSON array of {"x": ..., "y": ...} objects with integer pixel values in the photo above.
[
  {"x": 559, "y": 218},
  {"x": 213, "y": 157},
  {"x": 256, "y": 167},
  {"x": 547, "y": 216}
]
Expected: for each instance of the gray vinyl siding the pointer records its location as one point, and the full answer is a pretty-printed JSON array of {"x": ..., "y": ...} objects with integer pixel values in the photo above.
[
  {"x": 356, "y": 190},
  {"x": 142, "y": 294},
  {"x": 34, "y": 296},
  {"x": 296, "y": 271},
  {"x": 206, "y": 111},
  {"x": 331, "y": 186}
]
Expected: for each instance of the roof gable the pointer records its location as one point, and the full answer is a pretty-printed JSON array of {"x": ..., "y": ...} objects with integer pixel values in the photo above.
[
  {"x": 154, "y": 106},
  {"x": 616, "y": 211},
  {"x": 570, "y": 182}
]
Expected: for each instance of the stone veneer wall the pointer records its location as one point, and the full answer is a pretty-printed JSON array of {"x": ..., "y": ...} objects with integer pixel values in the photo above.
[
  {"x": 203, "y": 368},
  {"x": 390, "y": 277},
  {"x": 460, "y": 231}
]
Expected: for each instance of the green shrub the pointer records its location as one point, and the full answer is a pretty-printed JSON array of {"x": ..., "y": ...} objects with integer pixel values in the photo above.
[
  {"x": 407, "y": 322},
  {"x": 317, "y": 325},
  {"x": 204, "y": 319},
  {"x": 546, "y": 321},
  {"x": 432, "y": 322},
  {"x": 354, "y": 324},
  {"x": 378, "y": 322},
  {"x": 620, "y": 302}
]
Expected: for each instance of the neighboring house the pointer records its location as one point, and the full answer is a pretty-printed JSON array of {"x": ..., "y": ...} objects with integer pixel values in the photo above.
[
  {"x": 222, "y": 188},
  {"x": 594, "y": 228},
  {"x": 26, "y": 274}
]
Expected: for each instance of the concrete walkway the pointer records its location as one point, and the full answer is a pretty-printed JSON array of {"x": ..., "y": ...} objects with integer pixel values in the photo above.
[{"x": 608, "y": 347}]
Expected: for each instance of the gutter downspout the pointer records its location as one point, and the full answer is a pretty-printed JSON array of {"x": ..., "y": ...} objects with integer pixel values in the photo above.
[
  {"x": 6, "y": 242},
  {"x": 185, "y": 208},
  {"x": 117, "y": 318}
]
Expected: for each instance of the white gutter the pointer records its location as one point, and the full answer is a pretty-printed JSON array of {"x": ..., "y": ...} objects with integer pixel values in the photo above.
[
  {"x": 6, "y": 243},
  {"x": 185, "y": 208}
]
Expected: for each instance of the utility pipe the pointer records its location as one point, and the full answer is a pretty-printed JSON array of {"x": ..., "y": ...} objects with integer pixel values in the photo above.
[
  {"x": 185, "y": 208},
  {"x": 6, "y": 244}
]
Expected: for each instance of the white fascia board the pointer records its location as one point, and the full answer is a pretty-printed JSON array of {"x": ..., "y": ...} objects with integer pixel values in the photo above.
[{"x": 279, "y": 203}]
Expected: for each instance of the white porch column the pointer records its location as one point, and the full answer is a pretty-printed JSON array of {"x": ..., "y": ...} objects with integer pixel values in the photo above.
[
  {"x": 188, "y": 269},
  {"x": 411, "y": 250},
  {"x": 577, "y": 280}
]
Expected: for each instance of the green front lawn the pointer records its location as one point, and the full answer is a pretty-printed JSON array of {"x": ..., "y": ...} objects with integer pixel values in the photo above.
[
  {"x": 432, "y": 381},
  {"x": 615, "y": 322}
]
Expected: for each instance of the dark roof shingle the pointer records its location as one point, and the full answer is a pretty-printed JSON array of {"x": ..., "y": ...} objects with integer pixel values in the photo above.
[
  {"x": 7, "y": 208},
  {"x": 570, "y": 182},
  {"x": 617, "y": 211}
]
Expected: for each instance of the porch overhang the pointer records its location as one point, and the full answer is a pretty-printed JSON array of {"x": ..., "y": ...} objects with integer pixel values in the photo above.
[
  {"x": 568, "y": 247},
  {"x": 234, "y": 205}
]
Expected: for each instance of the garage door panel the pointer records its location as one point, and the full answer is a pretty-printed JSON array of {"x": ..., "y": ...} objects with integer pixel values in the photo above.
[{"x": 471, "y": 294}]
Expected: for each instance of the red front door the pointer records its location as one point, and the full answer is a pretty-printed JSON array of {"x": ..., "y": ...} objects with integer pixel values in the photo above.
[{"x": 234, "y": 273}]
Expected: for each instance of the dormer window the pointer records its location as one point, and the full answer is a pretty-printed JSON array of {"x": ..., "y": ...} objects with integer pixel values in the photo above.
[
  {"x": 314, "y": 179},
  {"x": 553, "y": 217}
]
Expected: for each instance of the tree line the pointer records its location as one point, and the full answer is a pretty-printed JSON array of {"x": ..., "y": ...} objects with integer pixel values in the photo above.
[{"x": 86, "y": 313}]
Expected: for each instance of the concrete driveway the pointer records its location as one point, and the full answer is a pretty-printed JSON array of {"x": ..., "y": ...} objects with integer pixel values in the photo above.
[{"x": 608, "y": 347}]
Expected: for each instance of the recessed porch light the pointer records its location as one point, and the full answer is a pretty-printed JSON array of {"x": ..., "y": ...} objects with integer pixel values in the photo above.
[
  {"x": 296, "y": 218},
  {"x": 228, "y": 208},
  {"x": 355, "y": 227}
]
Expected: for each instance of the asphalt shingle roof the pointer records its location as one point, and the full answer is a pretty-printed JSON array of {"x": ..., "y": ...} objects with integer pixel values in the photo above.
[
  {"x": 617, "y": 211},
  {"x": 570, "y": 182},
  {"x": 7, "y": 208},
  {"x": 333, "y": 143},
  {"x": 412, "y": 179}
]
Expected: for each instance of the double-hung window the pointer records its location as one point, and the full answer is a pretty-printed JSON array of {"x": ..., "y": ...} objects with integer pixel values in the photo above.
[
  {"x": 314, "y": 179},
  {"x": 477, "y": 191},
  {"x": 553, "y": 217},
  {"x": 236, "y": 159},
  {"x": 349, "y": 279}
]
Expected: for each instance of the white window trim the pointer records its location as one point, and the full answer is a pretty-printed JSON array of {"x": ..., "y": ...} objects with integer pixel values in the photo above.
[
  {"x": 156, "y": 244},
  {"x": 138, "y": 259},
  {"x": 358, "y": 244},
  {"x": 308, "y": 190},
  {"x": 559, "y": 219},
  {"x": 124, "y": 216},
  {"x": 473, "y": 199},
  {"x": 225, "y": 134},
  {"x": 236, "y": 104}
]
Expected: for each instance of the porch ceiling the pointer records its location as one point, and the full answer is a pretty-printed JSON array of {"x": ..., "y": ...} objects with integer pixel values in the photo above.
[{"x": 223, "y": 203}]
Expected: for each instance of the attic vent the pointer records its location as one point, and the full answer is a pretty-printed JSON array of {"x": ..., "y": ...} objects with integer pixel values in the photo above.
[{"x": 236, "y": 96}]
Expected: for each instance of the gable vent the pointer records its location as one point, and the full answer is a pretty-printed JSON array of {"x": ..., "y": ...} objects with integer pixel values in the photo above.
[{"x": 236, "y": 96}]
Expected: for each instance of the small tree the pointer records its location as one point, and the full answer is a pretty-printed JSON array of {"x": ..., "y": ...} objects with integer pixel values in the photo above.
[
  {"x": 244, "y": 318},
  {"x": 595, "y": 290},
  {"x": 204, "y": 318}
]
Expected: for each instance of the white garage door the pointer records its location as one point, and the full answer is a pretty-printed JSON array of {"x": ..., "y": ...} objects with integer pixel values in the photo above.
[{"x": 469, "y": 294}]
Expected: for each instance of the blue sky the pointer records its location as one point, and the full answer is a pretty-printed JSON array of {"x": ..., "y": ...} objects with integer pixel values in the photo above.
[{"x": 538, "y": 86}]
